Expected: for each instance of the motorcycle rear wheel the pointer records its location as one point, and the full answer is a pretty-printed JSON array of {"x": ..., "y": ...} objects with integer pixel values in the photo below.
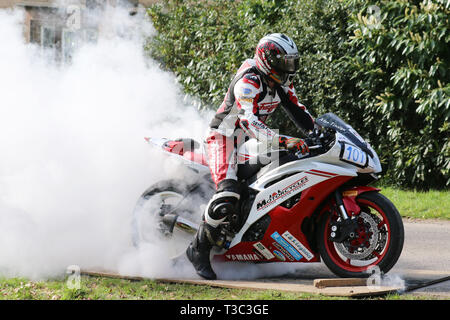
[
  {"x": 377, "y": 244},
  {"x": 169, "y": 196}
]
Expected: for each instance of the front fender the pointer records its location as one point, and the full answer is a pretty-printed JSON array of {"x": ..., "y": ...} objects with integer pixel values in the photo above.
[{"x": 349, "y": 198}]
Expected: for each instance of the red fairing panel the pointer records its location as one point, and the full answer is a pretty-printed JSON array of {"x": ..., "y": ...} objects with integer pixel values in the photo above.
[
  {"x": 196, "y": 157},
  {"x": 284, "y": 240},
  {"x": 177, "y": 147}
]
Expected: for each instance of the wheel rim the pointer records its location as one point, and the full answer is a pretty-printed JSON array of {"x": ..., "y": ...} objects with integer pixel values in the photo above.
[
  {"x": 151, "y": 230},
  {"x": 370, "y": 244},
  {"x": 149, "y": 211}
]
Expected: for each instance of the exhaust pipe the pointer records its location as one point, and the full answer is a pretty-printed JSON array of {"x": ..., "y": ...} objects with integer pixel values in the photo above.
[{"x": 175, "y": 221}]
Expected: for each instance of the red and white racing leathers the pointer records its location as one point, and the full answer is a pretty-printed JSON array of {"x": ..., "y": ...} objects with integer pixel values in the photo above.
[{"x": 247, "y": 104}]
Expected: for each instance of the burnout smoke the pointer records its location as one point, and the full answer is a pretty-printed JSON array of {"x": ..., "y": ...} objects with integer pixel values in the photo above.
[{"x": 73, "y": 158}]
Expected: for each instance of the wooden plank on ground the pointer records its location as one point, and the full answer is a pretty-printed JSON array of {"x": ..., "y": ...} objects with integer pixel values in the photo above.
[
  {"x": 339, "y": 282},
  {"x": 358, "y": 291},
  {"x": 348, "y": 291},
  {"x": 343, "y": 291}
]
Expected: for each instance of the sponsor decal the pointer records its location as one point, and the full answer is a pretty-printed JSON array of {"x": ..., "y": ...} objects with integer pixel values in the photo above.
[
  {"x": 278, "y": 238},
  {"x": 250, "y": 100},
  {"x": 246, "y": 91},
  {"x": 260, "y": 256},
  {"x": 279, "y": 255},
  {"x": 263, "y": 250},
  {"x": 243, "y": 257},
  {"x": 268, "y": 106},
  {"x": 280, "y": 248},
  {"x": 281, "y": 193},
  {"x": 259, "y": 125},
  {"x": 298, "y": 245}
]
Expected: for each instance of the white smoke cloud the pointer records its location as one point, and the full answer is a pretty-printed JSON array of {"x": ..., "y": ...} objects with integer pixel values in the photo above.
[{"x": 73, "y": 159}]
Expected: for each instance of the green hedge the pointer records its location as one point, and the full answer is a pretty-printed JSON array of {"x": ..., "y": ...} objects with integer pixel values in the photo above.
[
  {"x": 401, "y": 71},
  {"x": 382, "y": 67}
]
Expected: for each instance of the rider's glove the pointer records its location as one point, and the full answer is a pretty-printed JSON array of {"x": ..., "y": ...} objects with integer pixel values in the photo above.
[
  {"x": 295, "y": 144},
  {"x": 317, "y": 130}
]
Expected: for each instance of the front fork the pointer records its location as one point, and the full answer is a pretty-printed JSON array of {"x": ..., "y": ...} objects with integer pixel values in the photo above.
[
  {"x": 346, "y": 200},
  {"x": 344, "y": 229},
  {"x": 340, "y": 204}
]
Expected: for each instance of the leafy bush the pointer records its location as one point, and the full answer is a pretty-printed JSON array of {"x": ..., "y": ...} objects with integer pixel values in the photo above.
[
  {"x": 204, "y": 42},
  {"x": 401, "y": 72},
  {"x": 382, "y": 68}
]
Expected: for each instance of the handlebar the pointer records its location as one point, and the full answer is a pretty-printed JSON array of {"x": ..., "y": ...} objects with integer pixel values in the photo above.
[{"x": 318, "y": 141}]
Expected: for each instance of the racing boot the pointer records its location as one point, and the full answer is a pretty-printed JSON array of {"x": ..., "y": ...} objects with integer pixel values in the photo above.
[
  {"x": 199, "y": 249},
  {"x": 208, "y": 235}
]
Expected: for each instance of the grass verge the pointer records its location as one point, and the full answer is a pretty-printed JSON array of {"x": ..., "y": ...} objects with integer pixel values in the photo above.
[
  {"x": 99, "y": 288},
  {"x": 420, "y": 205}
]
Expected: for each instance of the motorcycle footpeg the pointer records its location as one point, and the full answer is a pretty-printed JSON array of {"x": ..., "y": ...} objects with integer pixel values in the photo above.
[
  {"x": 222, "y": 241},
  {"x": 221, "y": 237}
]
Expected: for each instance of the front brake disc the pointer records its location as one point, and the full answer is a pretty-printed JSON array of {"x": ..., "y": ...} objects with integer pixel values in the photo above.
[{"x": 361, "y": 252}]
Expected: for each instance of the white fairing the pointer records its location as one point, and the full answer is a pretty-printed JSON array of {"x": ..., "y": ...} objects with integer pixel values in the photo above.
[
  {"x": 342, "y": 159},
  {"x": 352, "y": 157},
  {"x": 275, "y": 184}
]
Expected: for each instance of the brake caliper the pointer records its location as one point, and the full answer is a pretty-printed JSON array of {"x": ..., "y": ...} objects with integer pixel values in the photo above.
[{"x": 344, "y": 230}]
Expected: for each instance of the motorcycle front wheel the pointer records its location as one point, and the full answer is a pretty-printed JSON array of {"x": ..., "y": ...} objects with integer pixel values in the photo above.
[{"x": 377, "y": 242}]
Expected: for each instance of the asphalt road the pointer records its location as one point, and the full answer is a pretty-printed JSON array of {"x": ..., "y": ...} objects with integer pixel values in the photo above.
[
  {"x": 426, "y": 246},
  {"x": 425, "y": 257}
]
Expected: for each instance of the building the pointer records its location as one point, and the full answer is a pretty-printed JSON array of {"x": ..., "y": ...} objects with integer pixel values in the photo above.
[{"x": 60, "y": 25}]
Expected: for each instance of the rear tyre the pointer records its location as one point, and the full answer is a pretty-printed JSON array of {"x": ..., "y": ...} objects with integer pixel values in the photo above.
[
  {"x": 169, "y": 196},
  {"x": 378, "y": 240}
]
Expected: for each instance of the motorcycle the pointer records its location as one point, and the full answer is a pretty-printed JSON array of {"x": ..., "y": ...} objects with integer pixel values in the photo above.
[{"x": 293, "y": 207}]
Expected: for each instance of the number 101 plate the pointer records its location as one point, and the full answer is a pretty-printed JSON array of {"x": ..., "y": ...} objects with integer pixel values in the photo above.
[{"x": 354, "y": 155}]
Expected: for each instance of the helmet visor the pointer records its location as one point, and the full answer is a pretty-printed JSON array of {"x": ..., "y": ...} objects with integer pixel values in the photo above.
[{"x": 286, "y": 63}]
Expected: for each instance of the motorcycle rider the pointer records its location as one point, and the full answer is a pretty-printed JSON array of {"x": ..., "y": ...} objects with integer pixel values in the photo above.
[{"x": 258, "y": 88}]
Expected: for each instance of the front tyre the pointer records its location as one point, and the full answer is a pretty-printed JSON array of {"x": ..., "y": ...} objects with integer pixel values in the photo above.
[{"x": 377, "y": 241}]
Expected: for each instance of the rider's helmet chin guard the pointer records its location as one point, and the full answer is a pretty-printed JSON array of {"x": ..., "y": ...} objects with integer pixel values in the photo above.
[{"x": 277, "y": 57}]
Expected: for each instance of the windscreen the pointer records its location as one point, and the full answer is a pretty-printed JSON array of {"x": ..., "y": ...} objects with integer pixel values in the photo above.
[{"x": 332, "y": 121}]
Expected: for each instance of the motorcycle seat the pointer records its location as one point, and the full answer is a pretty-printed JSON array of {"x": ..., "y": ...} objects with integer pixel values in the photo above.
[
  {"x": 248, "y": 170},
  {"x": 251, "y": 171}
]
